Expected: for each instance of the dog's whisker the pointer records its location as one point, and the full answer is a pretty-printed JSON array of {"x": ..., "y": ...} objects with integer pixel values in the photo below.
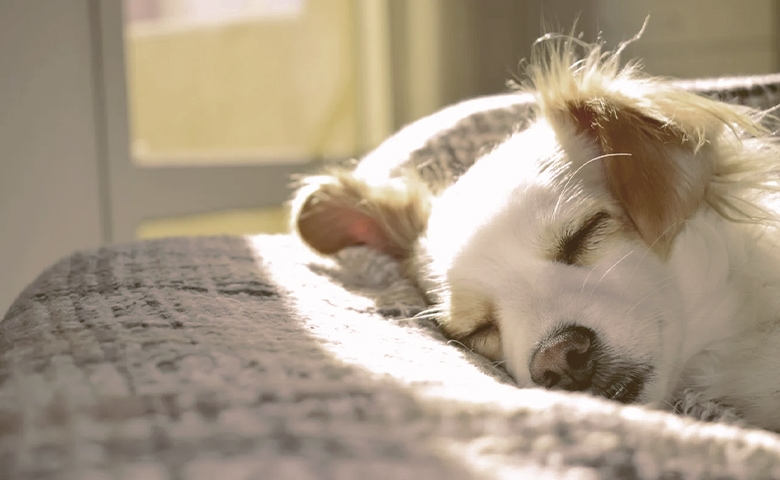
[
  {"x": 434, "y": 312},
  {"x": 658, "y": 286},
  {"x": 564, "y": 191},
  {"x": 617, "y": 262},
  {"x": 452, "y": 341},
  {"x": 607, "y": 272},
  {"x": 585, "y": 281},
  {"x": 649, "y": 249}
]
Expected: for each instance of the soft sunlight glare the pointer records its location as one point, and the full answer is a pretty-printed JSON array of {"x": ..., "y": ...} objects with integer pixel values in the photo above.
[{"x": 441, "y": 377}]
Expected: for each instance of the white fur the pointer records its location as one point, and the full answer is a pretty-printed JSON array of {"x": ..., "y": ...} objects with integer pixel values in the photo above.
[
  {"x": 686, "y": 283},
  {"x": 706, "y": 317}
]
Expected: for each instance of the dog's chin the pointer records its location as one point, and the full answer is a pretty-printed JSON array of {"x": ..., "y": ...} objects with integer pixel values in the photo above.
[
  {"x": 621, "y": 381},
  {"x": 627, "y": 387},
  {"x": 625, "y": 391}
]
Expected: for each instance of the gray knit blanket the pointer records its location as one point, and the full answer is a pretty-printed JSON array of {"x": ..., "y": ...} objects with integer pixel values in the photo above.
[{"x": 253, "y": 358}]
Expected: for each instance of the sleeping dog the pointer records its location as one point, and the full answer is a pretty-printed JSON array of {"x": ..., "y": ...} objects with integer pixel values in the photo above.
[{"x": 624, "y": 244}]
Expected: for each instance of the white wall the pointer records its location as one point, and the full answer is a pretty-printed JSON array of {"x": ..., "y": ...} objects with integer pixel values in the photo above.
[
  {"x": 49, "y": 194},
  {"x": 695, "y": 38}
]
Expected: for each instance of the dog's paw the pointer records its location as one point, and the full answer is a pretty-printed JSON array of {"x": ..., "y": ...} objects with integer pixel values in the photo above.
[{"x": 691, "y": 404}]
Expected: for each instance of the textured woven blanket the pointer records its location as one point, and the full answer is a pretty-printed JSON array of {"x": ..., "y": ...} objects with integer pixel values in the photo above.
[
  {"x": 252, "y": 358},
  {"x": 243, "y": 358}
]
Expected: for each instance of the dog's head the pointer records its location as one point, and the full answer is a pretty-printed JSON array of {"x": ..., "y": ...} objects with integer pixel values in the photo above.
[{"x": 554, "y": 252}]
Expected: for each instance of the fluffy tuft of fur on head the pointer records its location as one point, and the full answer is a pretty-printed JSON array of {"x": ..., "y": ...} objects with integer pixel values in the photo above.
[
  {"x": 633, "y": 114},
  {"x": 565, "y": 70}
]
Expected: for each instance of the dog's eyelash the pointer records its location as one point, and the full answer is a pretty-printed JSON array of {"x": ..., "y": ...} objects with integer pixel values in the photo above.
[
  {"x": 484, "y": 329},
  {"x": 573, "y": 245}
]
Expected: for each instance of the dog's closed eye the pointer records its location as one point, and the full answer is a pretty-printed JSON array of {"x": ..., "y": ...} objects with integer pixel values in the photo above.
[
  {"x": 485, "y": 340},
  {"x": 574, "y": 245},
  {"x": 473, "y": 323}
]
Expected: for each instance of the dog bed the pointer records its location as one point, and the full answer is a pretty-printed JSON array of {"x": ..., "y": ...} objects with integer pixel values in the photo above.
[{"x": 251, "y": 357}]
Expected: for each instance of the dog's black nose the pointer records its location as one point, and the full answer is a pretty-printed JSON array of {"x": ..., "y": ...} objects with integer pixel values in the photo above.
[{"x": 563, "y": 361}]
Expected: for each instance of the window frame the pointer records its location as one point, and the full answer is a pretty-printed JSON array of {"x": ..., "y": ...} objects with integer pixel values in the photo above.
[{"x": 135, "y": 192}]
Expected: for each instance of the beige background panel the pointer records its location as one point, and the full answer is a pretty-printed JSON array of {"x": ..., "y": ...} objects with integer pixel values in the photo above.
[
  {"x": 279, "y": 87},
  {"x": 230, "y": 222}
]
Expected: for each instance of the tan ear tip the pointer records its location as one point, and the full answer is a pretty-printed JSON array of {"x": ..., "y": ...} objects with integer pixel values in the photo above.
[
  {"x": 300, "y": 206},
  {"x": 306, "y": 196},
  {"x": 306, "y": 220}
]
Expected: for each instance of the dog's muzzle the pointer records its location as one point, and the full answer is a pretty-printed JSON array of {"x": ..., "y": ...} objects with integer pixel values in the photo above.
[
  {"x": 573, "y": 359},
  {"x": 563, "y": 361}
]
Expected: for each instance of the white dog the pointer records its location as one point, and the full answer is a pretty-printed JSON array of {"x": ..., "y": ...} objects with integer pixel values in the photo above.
[{"x": 624, "y": 244}]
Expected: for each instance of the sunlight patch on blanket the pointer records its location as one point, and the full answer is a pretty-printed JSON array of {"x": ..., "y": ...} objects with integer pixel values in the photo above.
[
  {"x": 347, "y": 326},
  {"x": 336, "y": 307}
]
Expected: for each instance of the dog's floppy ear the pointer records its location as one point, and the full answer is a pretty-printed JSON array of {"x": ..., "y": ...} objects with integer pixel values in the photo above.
[
  {"x": 654, "y": 169},
  {"x": 339, "y": 209}
]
